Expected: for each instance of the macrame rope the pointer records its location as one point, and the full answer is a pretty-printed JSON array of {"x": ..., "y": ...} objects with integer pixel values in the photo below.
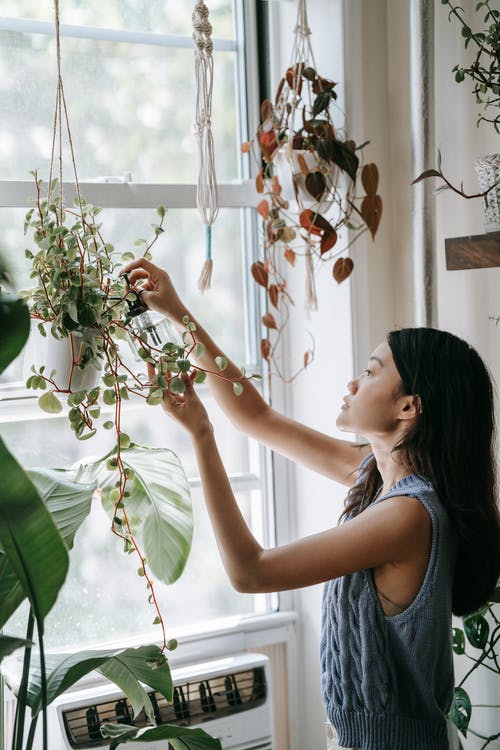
[
  {"x": 59, "y": 107},
  {"x": 207, "y": 197},
  {"x": 302, "y": 53}
]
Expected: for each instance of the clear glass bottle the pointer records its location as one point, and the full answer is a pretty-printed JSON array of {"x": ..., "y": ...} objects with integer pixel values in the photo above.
[{"x": 148, "y": 326}]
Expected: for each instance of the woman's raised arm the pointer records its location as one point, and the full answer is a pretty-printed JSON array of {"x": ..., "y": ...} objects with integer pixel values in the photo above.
[{"x": 336, "y": 459}]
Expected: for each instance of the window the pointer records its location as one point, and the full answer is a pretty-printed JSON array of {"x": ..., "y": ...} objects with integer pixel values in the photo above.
[{"x": 128, "y": 72}]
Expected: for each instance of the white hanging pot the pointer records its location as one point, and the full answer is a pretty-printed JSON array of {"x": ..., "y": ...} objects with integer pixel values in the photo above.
[
  {"x": 57, "y": 356},
  {"x": 488, "y": 174},
  {"x": 293, "y": 180}
]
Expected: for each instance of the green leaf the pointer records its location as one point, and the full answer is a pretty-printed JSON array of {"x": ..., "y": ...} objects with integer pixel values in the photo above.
[
  {"x": 14, "y": 328},
  {"x": 9, "y": 644},
  {"x": 477, "y": 630},
  {"x": 180, "y": 738},
  {"x": 461, "y": 710},
  {"x": 50, "y": 403},
  {"x": 200, "y": 377},
  {"x": 125, "y": 667},
  {"x": 238, "y": 388},
  {"x": 160, "y": 496},
  {"x": 221, "y": 363},
  {"x": 69, "y": 504},
  {"x": 177, "y": 386},
  {"x": 30, "y": 540},
  {"x": 458, "y": 641}
]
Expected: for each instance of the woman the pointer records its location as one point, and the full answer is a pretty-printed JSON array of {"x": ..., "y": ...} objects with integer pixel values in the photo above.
[{"x": 420, "y": 530}]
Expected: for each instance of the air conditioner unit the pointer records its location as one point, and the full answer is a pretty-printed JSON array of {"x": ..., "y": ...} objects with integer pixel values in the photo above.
[{"x": 229, "y": 698}]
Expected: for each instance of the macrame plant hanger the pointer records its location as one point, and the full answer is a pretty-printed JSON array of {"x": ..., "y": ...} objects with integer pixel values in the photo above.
[
  {"x": 59, "y": 109},
  {"x": 207, "y": 197},
  {"x": 302, "y": 54}
]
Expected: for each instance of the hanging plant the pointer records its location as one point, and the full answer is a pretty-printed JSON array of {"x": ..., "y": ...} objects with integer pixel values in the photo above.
[{"x": 309, "y": 184}]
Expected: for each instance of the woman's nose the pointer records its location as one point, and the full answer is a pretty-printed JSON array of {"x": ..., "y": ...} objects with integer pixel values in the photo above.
[{"x": 352, "y": 386}]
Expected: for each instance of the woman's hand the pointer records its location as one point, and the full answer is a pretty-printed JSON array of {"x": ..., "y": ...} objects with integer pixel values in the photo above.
[
  {"x": 187, "y": 409},
  {"x": 157, "y": 290}
]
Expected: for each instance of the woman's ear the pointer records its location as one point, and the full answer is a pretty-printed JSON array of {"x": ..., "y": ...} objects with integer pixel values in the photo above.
[{"x": 411, "y": 407}]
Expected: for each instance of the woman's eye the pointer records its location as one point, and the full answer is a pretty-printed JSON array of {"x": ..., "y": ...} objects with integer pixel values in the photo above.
[{"x": 367, "y": 372}]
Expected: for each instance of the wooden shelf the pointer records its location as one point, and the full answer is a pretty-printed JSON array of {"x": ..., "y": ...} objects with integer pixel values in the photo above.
[{"x": 476, "y": 251}]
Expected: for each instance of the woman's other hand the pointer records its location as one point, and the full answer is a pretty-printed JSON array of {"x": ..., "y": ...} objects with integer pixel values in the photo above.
[
  {"x": 187, "y": 409},
  {"x": 157, "y": 289}
]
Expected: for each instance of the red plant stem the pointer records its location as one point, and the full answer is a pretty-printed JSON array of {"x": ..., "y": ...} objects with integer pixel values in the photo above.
[{"x": 120, "y": 504}]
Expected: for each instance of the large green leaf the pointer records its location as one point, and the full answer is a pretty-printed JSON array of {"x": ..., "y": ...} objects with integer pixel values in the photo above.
[
  {"x": 461, "y": 710},
  {"x": 9, "y": 644},
  {"x": 159, "y": 505},
  {"x": 69, "y": 504},
  {"x": 124, "y": 667},
  {"x": 30, "y": 540},
  {"x": 181, "y": 738},
  {"x": 14, "y": 328},
  {"x": 477, "y": 630}
]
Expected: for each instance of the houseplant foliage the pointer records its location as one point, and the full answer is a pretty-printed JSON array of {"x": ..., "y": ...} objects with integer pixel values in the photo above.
[
  {"x": 481, "y": 633},
  {"x": 81, "y": 300},
  {"x": 484, "y": 73},
  {"x": 40, "y": 512},
  {"x": 299, "y": 145},
  {"x": 484, "y": 70}
]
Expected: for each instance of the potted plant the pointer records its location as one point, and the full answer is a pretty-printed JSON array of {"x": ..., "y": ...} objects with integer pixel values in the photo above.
[
  {"x": 81, "y": 302},
  {"x": 36, "y": 531},
  {"x": 480, "y": 632},
  {"x": 310, "y": 182},
  {"x": 484, "y": 73}
]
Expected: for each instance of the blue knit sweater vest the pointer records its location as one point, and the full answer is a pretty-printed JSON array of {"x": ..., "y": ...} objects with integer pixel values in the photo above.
[{"x": 387, "y": 681}]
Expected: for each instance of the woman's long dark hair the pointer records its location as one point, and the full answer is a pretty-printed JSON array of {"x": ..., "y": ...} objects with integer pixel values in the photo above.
[{"x": 453, "y": 445}]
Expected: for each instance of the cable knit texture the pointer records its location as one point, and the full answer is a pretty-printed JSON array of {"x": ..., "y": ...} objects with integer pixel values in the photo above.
[{"x": 387, "y": 681}]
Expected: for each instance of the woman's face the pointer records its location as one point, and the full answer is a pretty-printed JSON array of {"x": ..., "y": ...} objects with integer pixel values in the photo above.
[{"x": 373, "y": 404}]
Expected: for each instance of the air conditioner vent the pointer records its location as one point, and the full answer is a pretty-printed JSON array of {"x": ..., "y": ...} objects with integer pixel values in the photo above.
[{"x": 194, "y": 702}]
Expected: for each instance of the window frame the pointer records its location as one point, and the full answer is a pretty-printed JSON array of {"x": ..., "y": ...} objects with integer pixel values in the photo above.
[{"x": 120, "y": 192}]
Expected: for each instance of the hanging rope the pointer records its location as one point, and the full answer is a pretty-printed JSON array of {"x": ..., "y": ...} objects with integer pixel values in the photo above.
[
  {"x": 302, "y": 54},
  {"x": 207, "y": 197},
  {"x": 59, "y": 108}
]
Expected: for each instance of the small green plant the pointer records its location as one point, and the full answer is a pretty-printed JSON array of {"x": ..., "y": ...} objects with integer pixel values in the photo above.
[
  {"x": 481, "y": 632},
  {"x": 484, "y": 70}
]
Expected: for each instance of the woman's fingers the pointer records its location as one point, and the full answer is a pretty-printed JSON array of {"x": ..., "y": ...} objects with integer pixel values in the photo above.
[{"x": 142, "y": 263}]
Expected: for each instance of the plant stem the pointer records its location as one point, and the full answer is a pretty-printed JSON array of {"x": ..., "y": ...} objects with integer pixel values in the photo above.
[
  {"x": 31, "y": 734},
  {"x": 18, "y": 734}
]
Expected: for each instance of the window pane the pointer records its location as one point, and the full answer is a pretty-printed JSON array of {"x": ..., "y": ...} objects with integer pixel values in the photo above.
[
  {"x": 131, "y": 109},
  {"x": 181, "y": 250},
  {"x": 158, "y": 16},
  {"x": 96, "y": 607}
]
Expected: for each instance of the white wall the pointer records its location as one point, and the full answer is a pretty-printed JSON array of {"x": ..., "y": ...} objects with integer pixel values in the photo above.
[{"x": 371, "y": 58}]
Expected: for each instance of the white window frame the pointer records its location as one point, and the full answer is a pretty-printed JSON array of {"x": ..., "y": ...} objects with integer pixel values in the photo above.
[{"x": 17, "y": 403}]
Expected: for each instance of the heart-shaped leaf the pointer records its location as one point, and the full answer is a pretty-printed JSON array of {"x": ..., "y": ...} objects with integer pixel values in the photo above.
[
  {"x": 269, "y": 321},
  {"x": 273, "y": 292},
  {"x": 263, "y": 209},
  {"x": 290, "y": 256},
  {"x": 369, "y": 178},
  {"x": 315, "y": 184},
  {"x": 259, "y": 273},
  {"x": 371, "y": 212},
  {"x": 265, "y": 349},
  {"x": 342, "y": 269},
  {"x": 327, "y": 241}
]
